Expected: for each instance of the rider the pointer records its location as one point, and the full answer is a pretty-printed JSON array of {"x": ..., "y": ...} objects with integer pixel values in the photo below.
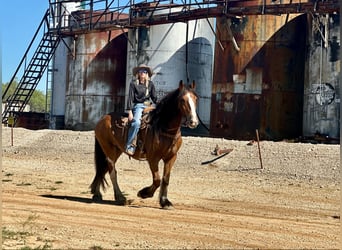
[{"x": 141, "y": 92}]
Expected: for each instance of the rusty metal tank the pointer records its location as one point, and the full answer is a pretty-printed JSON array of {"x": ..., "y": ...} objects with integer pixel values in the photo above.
[
  {"x": 177, "y": 51},
  {"x": 96, "y": 78},
  {"x": 259, "y": 77}
]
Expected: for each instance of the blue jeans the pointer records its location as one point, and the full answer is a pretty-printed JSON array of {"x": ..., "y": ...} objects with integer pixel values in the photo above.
[{"x": 137, "y": 110}]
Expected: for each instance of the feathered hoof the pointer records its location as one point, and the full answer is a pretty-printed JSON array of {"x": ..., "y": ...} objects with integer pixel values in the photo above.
[
  {"x": 122, "y": 202},
  {"x": 165, "y": 203},
  {"x": 97, "y": 198},
  {"x": 145, "y": 193}
]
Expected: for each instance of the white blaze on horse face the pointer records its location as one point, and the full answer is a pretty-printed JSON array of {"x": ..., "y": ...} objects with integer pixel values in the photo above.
[{"x": 193, "y": 116}]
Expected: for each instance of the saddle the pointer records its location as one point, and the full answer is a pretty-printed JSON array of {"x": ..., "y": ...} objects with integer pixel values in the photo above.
[{"x": 120, "y": 124}]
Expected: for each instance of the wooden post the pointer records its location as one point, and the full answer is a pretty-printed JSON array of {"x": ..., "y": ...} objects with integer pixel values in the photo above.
[
  {"x": 12, "y": 135},
  {"x": 257, "y": 135}
]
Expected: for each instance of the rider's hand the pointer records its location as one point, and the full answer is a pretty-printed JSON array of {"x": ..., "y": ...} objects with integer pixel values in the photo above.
[{"x": 130, "y": 115}]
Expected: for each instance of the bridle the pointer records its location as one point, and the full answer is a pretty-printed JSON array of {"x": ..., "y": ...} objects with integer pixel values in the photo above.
[{"x": 190, "y": 120}]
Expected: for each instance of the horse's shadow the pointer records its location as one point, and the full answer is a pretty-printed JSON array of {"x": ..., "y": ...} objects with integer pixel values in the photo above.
[
  {"x": 89, "y": 200},
  {"x": 80, "y": 199}
]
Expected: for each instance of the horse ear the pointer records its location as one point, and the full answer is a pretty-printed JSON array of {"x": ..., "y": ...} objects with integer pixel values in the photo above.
[
  {"x": 181, "y": 85},
  {"x": 193, "y": 85}
]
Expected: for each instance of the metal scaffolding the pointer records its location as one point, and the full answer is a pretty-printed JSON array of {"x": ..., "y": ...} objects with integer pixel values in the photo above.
[{"x": 121, "y": 14}]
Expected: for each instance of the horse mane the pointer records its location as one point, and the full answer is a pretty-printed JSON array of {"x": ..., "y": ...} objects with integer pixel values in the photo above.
[{"x": 165, "y": 109}]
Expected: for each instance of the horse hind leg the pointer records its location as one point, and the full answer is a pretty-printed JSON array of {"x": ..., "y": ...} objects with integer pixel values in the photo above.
[
  {"x": 120, "y": 199},
  {"x": 101, "y": 168},
  {"x": 104, "y": 164}
]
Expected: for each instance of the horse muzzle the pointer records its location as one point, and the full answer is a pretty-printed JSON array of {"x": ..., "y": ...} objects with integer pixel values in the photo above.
[{"x": 191, "y": 122}]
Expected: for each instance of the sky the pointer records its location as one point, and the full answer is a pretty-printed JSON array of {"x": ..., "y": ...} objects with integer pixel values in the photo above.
[{"x": 19, "y": 21}]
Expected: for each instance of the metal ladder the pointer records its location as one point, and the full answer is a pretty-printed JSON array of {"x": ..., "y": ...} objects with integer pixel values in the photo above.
[{"x": 33, "y": 72}]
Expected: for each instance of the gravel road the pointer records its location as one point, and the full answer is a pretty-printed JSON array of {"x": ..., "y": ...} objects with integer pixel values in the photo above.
[{"x": 292, "y": 203}]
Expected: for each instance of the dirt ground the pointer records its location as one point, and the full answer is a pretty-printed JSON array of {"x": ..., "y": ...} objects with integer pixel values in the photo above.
[{"x": 231, "y": 203}]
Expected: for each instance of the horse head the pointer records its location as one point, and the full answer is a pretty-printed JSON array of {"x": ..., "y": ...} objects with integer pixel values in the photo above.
[{"x": 188, "y": 104}]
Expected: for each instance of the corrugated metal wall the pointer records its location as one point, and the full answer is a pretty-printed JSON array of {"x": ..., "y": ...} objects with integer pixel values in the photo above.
[{"x": 258, "y": 83}]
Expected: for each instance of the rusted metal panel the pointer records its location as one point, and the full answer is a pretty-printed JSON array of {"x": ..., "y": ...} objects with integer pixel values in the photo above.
[
  {"x": 32, "y": 120},
  {"x": 322, "y": 83},
  {"x": 246, "y": 3},
  {"x": 96, "y": 78},
  {"x": 258, "y": 83},
  {"x": 83, "y": 18}
]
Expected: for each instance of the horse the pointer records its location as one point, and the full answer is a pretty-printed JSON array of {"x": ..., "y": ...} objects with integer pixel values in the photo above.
[{"x": 159, "y": 138}]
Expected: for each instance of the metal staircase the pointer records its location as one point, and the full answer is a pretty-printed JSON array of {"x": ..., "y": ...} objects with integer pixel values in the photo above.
[{"x": 34, "y": 70}]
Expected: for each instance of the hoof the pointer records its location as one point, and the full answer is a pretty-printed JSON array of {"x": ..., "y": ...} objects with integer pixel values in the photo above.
[
  {"x": 145, "y": 193},
  {"x": 97, "y": 198},
  {"x": 165, "y": 203},
  {"x": 121, "y": 202}
]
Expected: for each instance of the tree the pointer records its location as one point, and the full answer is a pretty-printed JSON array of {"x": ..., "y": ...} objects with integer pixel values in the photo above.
[
  {"x": 36, "y": 102},
  {"x": 10, "y": 91}
]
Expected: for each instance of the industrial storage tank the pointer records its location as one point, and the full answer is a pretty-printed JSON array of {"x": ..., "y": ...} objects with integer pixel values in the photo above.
[
  {"x": 321, "y": 112},
  {"x": 259, "y": 77},
  {"x": 96, "y": 77},
  {"x": 57, "y": 72},
  {"x": 177, "y": 51}
]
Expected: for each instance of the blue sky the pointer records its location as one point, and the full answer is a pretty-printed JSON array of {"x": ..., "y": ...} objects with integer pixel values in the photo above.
[{"x": 19, "y": 21}]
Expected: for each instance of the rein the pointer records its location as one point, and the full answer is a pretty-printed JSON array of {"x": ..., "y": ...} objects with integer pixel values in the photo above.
[
  {"x": 174, "y": 136},
  {"x": 171, "y": 135}
]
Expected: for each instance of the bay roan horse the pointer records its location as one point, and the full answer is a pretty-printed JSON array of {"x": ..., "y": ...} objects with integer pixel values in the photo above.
[{"x": 159, "y": 138}]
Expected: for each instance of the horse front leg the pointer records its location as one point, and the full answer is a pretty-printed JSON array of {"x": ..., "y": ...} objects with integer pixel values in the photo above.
[
  {"x": 149, "y": 191},
  {"x": 163, "y": 200}
]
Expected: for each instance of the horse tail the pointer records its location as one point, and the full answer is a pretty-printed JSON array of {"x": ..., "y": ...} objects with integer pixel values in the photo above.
[{"x": 100, "y": 168}]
